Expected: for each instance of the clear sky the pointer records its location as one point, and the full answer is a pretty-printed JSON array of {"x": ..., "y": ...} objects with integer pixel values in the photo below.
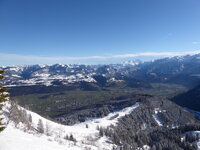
[{"x": 96, "y": 31}]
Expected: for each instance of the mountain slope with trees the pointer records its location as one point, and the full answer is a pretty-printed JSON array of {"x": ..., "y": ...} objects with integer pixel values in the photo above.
[
  {"x": 189, "y": 99},
  {"x": 157, "y": 123}
]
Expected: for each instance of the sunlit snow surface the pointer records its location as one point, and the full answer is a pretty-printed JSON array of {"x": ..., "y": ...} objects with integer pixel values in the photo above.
[
  {"x": 16, "y": 139},
  {"x": 156, "y": 117}
]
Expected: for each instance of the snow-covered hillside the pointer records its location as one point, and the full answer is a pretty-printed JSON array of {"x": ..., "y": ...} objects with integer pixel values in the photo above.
[
  {"x": 56, "y": 136},
  {"x": 14, "y": 139}
]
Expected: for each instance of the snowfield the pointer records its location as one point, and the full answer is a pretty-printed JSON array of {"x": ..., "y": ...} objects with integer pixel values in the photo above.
[
  {"x": 15, "y": 139},
  {"x": 86, "y": 134}
]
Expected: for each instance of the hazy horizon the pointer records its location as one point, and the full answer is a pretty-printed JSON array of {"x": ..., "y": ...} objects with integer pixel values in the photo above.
[{"x": 103, "y": 60}]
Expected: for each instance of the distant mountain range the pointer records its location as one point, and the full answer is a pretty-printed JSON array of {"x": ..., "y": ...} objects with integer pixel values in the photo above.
[
  {"x": 183, "y": 70},
  {"x": 66, "y": 74}
]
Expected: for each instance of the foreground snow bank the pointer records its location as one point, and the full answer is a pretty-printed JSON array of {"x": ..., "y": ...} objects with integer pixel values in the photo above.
[
  {"x": 15, "y": 139},
  {"x": 86, "y": 134}
]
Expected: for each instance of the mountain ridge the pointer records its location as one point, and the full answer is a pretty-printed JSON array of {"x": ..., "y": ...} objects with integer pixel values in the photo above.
[{"x": 180, "y": 69}]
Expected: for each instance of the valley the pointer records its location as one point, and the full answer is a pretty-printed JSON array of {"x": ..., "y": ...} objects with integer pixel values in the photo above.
[{"x": 96, "y": 101}]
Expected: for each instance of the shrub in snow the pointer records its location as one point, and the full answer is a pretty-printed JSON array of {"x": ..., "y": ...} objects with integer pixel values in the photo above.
[
  {"x": 71, "y": 138},
  {"x": 48, "y": 130},
  {"x": 40, "y": 126},
  {"x": 86, "y": 125}
]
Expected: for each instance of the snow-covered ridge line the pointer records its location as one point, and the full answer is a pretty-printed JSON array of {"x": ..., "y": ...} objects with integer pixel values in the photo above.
[{"x": 86, "y": 134}]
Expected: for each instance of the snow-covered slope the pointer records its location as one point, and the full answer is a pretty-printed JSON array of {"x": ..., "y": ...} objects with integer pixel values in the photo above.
[
  {"x": 14, "y": 139},
  {"x": 85, "y": 135}
]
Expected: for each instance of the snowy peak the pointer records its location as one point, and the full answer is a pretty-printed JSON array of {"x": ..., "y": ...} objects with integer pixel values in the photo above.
[{"x": 132, "y": 62}]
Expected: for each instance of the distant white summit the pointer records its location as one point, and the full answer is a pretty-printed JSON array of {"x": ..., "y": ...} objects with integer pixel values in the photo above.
[{"x": 132, "y": 62}]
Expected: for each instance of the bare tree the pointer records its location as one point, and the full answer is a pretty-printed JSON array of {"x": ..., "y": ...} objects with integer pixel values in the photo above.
[
  {"x": 48, "y": 129},
  {"x": 29, "y": 125},
  {"x": 14, "y": 113},
  {"x": 40, "y": 126}
]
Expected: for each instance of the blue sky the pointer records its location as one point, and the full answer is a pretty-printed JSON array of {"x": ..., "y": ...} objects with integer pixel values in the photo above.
[{"x": 96, "y": 31}]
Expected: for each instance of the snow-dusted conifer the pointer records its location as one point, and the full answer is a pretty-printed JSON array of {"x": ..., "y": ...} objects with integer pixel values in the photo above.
[{"x": 3, "y": 98}]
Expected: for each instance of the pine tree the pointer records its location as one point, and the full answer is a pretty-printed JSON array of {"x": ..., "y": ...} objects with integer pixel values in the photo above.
[{"x": 3, "y": 98}]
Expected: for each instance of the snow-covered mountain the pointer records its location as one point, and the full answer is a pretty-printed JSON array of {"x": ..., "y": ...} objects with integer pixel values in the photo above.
[
  {"x": 46, "y": 74},
  {"x": 132, "y": 62},
  {"x": 122, "y": 124},
  {"x": 177, "y": 70},
  {"x": 170, "y": 70},
  {"x": 52, "y": 74},
  {"x": 81, "y": 136},
  {"x": 136, "y": 127}
]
